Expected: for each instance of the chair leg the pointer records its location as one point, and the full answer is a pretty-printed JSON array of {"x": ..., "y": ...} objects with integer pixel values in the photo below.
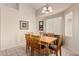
[
  {"x": 46, "y": 52},
  {"x": 39, "y": 53},
  {"x": 26, "y": 49},
  {"x": 32, "y": 51},
  {"x": 56, "y": 52},
  {"x": 55, "y": 42},
  {"x": 60, "y": 51}
]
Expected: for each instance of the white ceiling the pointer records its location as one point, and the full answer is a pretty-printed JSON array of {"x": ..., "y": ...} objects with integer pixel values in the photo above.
[
  {"x": 54, "y": 5},
  {"x": 57, "y": 7},
  {"x": 37, "y": 5}
]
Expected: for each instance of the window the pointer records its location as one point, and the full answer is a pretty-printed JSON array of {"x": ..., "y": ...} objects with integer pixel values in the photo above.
[
  {"x": 68, "y": 24},
  {"x": 54, "y": 25}
]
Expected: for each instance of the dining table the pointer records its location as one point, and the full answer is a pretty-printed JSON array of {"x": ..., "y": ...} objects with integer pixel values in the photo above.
[{"x": 46, "y": 41}]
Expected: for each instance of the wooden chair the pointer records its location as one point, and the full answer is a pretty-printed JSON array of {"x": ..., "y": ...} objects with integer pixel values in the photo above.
[
  {"x": 42, "y": 33},
  {"x": 36, "y": 45},
  {"x": 57, "y": 48},
  {"x": 31, "y": 33},
  {"x": 28, "y": 41},
  {"x": 51, "y": 34}
]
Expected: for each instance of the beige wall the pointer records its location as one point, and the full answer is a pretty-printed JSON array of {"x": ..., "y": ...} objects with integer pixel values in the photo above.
[
  {"x": 0, "y": 25},
  {"x": 11, "y": 35},
  {"x": 26, "y": 13},
  {"x": 72, "y": 43}
]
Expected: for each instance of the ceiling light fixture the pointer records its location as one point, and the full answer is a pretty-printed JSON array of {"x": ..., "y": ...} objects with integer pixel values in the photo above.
[{"x": 47, "y": 9}]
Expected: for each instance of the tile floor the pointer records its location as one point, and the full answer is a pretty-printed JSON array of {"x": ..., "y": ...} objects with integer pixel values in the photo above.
[{"x": 20, "y": 51}]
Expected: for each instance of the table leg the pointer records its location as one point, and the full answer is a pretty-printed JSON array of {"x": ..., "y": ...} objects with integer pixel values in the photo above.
[
  {"x": 32, "y": 51},
  {"x": 47, "y": 50}
]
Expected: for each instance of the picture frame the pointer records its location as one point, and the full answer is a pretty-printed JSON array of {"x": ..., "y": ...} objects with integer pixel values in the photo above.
[
  {"x": 41, "y": 25},
  {"x": 24, "y": 25}
]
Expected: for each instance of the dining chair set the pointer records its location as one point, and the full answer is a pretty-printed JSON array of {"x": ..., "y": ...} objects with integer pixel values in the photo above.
[{"x": 45, "y": 43}]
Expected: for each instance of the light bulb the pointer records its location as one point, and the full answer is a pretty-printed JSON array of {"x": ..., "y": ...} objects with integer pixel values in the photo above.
[
  {"x": 44, "y": 8},
  {"x": 43, "y": 11},
  {"x": 50, "y": 9},
  {"x": 46, "y": 12}
]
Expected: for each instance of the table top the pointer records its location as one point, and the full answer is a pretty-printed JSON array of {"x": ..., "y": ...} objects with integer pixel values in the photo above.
[{"x": 47, "y": 39}]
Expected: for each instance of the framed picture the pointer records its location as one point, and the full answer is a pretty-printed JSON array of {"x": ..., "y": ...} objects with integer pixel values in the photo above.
[
  {"x": 24, "y": 25},
  {"x": 41, "y": 24}
]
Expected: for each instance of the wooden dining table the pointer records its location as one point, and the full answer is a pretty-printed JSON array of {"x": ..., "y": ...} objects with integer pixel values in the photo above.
[{"x": 47, "y": 41}]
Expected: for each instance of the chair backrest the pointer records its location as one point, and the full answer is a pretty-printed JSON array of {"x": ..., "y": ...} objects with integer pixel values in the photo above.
[
  {"x": 42, "y": 33},
  {"x": 28, "y": 39},
  {"x": 51, "y": 34},
  {"x": 31, "y": 33},
  {"x": 36, "y": 42},
  {"x": 60, "y": 40}
]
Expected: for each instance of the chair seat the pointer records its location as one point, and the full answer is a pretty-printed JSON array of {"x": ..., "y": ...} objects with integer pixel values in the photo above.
[
  {"x": 43, "y": 46},
  {"x": 52, "y": 46}
]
